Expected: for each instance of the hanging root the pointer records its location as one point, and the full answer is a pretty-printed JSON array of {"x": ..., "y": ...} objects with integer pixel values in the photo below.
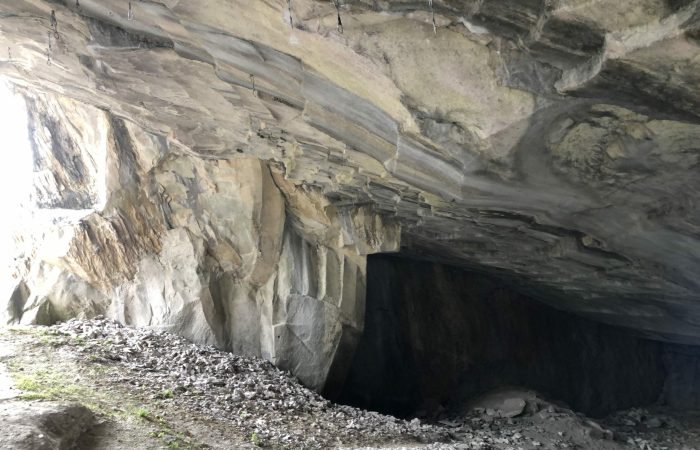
[
  {"x": 432, "y": 12},
  {"x": 289, "y": 10},
  {"x": 130, "y": 13}
]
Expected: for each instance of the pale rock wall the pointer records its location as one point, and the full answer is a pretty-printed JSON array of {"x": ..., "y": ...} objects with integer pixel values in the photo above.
[
  {"x": 69, "y": 146},
  {"x": 552, "y": 141},
  {"x": 223, "y": 252}
]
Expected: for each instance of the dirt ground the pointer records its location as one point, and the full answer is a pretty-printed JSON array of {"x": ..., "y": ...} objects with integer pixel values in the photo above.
[{"x": 154, "y": 391}]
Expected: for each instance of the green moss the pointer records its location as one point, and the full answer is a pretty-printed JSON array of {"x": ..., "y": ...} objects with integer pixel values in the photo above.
[
  {"x": 47, "y": 385},
  {"x": 24, "y": 383}
]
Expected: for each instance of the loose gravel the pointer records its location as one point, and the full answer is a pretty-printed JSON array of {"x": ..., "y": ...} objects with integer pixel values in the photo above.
[{"x": 272, "y": 409}]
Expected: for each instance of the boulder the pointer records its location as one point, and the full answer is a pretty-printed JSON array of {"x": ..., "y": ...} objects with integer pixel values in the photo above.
[{"x": 42, "y": 425}]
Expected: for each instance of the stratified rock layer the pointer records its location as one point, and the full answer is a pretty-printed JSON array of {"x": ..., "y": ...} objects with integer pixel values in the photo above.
[
  {"x": 227, "y": 253},
  {"x": 242, "y": 157}
]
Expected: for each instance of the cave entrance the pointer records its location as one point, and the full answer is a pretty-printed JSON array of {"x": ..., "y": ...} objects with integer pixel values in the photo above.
[
  {"x": 437, "y": 336},
  {"x": 15, "y": 170}
]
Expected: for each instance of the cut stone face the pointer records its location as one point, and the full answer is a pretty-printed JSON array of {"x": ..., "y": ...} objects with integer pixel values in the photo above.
[{"x": 230, "y": 173}]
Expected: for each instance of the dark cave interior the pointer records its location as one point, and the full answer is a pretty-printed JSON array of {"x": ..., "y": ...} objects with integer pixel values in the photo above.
[{"x": 437, "y": 336}]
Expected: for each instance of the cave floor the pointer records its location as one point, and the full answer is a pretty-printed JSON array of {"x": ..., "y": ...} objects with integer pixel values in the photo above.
[{"x": 149, "y": 390}]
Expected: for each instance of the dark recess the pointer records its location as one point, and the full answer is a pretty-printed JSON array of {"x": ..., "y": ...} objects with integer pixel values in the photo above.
[{"x": 436, "y": 336}]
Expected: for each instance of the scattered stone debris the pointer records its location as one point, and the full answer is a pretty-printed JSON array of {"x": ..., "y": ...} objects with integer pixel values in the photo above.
[
  {"x": 269, "y": 408},
  {"x": 252, "y": 394},
  {"x": 657, "y": 428}
]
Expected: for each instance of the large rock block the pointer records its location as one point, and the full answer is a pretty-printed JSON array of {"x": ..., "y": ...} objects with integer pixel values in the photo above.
[
  {"x": 318, "y": 310},
  {"x": 43, "y": 426}
]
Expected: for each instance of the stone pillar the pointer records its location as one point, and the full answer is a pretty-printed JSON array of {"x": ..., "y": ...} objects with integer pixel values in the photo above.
[{"x": 318, "y": 311}]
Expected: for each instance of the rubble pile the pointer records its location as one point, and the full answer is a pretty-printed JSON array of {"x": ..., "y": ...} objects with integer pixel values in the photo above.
[
  {"x": 250, "y": 393},
  {"x": 257, "y": 399}
]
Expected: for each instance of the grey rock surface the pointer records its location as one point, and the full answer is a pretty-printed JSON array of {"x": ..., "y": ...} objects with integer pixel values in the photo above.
[
  {"x": 227, "y": 253},
  {"x": 553, "y": 142},
  {"x": 252, "y": 397}
]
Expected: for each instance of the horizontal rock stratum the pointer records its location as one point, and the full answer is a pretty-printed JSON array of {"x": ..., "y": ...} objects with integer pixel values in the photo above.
[{"x": 232, "y": 163}]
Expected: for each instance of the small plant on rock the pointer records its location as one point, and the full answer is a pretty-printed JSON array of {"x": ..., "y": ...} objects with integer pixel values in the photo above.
[
  {"x": 142, "y": 413},
  {"x": 167, "y": 393}
]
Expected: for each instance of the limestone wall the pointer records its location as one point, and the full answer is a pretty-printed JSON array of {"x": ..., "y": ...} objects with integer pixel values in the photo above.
[{"x": 222, "y": 251}]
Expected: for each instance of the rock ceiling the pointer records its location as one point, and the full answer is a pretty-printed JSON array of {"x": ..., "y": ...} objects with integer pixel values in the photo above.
[{"x": 556, "y": 142}]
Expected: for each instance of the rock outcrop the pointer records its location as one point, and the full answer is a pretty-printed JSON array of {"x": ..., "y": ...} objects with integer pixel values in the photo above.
[
  {"x": 224, "y": 167},
  {"x": 223, "y": 252},
  {"x": 43, "y": 426}
]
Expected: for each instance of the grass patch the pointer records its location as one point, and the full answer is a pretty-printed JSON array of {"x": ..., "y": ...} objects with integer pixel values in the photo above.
[
  {"x": 171, "y": 437},
  {"x": 35, "y": 330},
  {"x": 48, "y": 385},
  {"x": 43, "y": 373},
  {"x": 165, "y": 394},
  {"x": 25, "y": 330},
  {"x": 27, "y": 384},
  {"x": 44, "y": 336},
  {"x": 255, "y": 439},
  {"x": 141, "y": 413},
  {"x": 45, "y": 384},
  {"x": 39, "y": 382}
]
